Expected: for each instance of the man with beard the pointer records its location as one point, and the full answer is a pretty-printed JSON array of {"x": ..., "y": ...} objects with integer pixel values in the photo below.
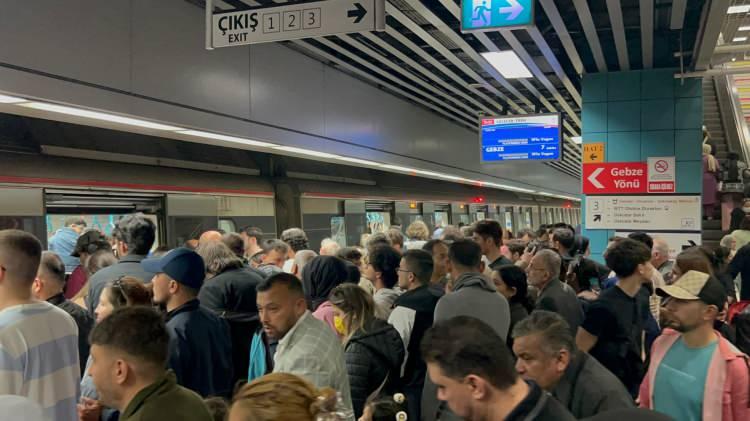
[{"x": 695, "y": 373}]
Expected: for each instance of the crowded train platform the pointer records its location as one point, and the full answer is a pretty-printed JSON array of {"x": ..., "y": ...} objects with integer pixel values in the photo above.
[{"x": 375, "y": 210}]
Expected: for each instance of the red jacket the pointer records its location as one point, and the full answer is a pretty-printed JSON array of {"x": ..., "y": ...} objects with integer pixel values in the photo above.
[{"x": 727, "y": 393}]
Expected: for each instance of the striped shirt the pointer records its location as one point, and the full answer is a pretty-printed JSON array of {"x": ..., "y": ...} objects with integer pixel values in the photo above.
[{"x": 39, "y": 358}]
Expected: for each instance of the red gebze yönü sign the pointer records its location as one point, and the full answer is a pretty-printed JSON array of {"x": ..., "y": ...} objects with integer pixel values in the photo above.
[{"x": 615, "y": 177}]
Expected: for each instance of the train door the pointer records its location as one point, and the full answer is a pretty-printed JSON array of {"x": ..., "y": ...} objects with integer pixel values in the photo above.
[
  {"x": 379, "y": 216},
  {"x": 102, "y": 209},
  {"x": 323, "y": 218},
  {"x": 237, "y": 212},
  {"x": 477, "y": 212},
  {"x": 189, "y": 215},
  {"x": 508, "y": 218},
  {"x": 442, "y": 215},
  {"x": 23, "y": 208},
  {"x": 527, "y": 218},
  {"x": 460, "y": 214}
]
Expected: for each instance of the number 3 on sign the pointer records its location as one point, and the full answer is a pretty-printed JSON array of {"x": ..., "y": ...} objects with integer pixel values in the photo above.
[{"x": 311, "y": 19}]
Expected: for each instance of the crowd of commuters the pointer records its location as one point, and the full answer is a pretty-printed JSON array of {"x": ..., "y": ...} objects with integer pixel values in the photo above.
[{"x": 473, "y": 325}]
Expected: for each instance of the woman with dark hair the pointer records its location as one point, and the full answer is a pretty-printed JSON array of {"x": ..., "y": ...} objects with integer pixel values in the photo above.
[
  {"x": 125, "y": 291},
  {"x": 510, "y": 281},
  {"x": 319, "y": 278},
  {"x": 373, "y": 348}
]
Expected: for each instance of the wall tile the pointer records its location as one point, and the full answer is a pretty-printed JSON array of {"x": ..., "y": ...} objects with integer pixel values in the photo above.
[
  {"x": 689, "y": 177},
  {"x": 594, "y": 117},
  {"x": 594, "y": 137},
  {"x": 687, "y": 144},
  {"x": 692, "y": 87},
  {"x": 657, "y": 84},
  {"x": 594, "y": 87},
  {"x": 688, "y": 113},
  {"x": 657, "y": 143},
  {"x": 657, "y": 114},
  {"x": 623, "y": 86},
  {"x": 624, "y": 147},
  {"x": 623, "y": 116}
]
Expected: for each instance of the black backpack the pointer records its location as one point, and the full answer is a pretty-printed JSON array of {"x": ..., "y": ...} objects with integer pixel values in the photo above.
[{"x": 741, "y": 324}]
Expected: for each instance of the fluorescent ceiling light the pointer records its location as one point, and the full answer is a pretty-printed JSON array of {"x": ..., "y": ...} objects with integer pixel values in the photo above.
[
  {"x": 744, "y": 28},
  {"x": 508, "y": 64},
  {"x": 306, "y": 152},
  {"x": 359, "y": 161},
  {"x": 233, "y": 139},
  {"x": 7, "y": 99},
  {"x": 507, "y": 187},
  {"x": 576, "y": 139},
  {"x": 399, "y": 168},
  {"x": 79, "y": 112},
  {"x": 743, "y": 8},
  {"x": 739, "y": 39}
]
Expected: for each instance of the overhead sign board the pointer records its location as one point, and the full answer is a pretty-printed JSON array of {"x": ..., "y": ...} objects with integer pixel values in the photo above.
[
  {"x": 528, "y": 137},
  {"x": 661, "y": 174},
  {"x": 593, "y": 152},
  {"x": 644, "y": 213},
  {"x": 489, "y": 15},
  {"x": 300, "y": 20},
  {"x": 614, "y": 177}
]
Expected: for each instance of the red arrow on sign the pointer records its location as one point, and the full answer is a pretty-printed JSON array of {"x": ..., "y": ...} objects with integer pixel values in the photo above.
[{"x": 615, "y": 177}]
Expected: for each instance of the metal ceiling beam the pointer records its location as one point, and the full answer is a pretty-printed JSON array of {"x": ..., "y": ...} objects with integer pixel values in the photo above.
[
  {"x": 346, "y": 65},
  {"x": 647, "y": 32},
  {"x": 737, "y": 48},
  {"x": 432, "y": 42},
  {"x": 471, "y": 52},
  {"x": 678, "y": 14},
  {"x": 527, "y": 60},
  {"x": 562, "y": 34},
  {"x": 584, "y": 15},
  {"x": 554, "y": 63},
  {"x": 425, "y": 71},
  {"x": 712, "y": 19},
  {"x": 618, "y": 31},
  {"x": 364, "y": 48}
]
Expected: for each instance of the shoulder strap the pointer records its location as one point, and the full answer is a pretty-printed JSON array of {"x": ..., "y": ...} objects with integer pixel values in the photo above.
[{"x": 537, "y": 409}]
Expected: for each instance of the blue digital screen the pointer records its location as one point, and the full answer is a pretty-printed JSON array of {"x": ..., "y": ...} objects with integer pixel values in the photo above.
[
  {"x": 531, "y": 137},
  {"x": 488, "y": 15}
]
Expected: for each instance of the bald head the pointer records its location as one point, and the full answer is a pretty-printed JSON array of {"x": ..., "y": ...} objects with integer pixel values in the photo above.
[
  {"x": 659, "y": 252},
  {"x": 20, "y": 253},
  {"x": 209, "y": 236}
]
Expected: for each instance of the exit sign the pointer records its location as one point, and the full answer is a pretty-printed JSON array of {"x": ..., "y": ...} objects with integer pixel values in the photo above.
[{"x": 489, "y": 15}]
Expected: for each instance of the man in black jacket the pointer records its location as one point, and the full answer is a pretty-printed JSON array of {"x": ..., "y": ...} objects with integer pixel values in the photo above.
[
  {"x": 474, "y": 372},
  {"x": 48, "y": 286},
  {"x": 547, "y": 354},
  {"x": 200, "y": 348}
]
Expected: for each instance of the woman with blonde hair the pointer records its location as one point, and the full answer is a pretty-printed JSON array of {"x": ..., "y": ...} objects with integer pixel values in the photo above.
[
  {"x": 710, "y": 184},
  {"x": 282, "y": 397},
  {"x": 373, "y": 348},
  {"x": 418, "y": 234}
]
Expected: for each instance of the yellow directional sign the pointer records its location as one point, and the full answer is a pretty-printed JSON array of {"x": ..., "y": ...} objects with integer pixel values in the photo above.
[{"x": 593, "y": 153}]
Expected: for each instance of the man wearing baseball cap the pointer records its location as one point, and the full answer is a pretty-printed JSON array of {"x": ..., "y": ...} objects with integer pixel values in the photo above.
[
  {"x": 696, "y": 374},
  {"x": 200, "y": 347}
]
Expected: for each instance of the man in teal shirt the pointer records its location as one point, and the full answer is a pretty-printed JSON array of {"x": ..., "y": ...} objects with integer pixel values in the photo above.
[{"x": 690, "y": 360}]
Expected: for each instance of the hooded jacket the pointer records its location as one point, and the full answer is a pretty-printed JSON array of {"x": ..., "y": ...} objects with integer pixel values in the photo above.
[
  {"x": 320, "y": 277},
  {"x": 62, "y": 244},
  {"x": 473, "y": 295},
  {"x": 372, "y": 353}
]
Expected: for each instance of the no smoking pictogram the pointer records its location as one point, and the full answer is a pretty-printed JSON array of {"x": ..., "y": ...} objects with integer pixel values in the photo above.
[{"x": 661, "y": 166}]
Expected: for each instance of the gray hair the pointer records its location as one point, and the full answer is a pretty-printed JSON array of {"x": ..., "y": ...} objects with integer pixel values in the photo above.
[
  {"x": 218, "y": 257},
  {"x": 330, "y": 246},
  {"x": 552, "y": 261},
  {"x": 302, "y": 258},
  {"x": 662, "y": 246},
  {"x": 551, "y": 328},
  {"x": 275, "y": 245},
  {"x": 726, "y": 241}
]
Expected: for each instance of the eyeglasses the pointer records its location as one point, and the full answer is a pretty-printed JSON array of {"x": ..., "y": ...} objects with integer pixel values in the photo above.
[{"x": 404, "y": 270}]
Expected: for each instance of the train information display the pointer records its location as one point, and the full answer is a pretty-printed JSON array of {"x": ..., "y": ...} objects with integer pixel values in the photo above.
[{"x": 530, "y": 137}]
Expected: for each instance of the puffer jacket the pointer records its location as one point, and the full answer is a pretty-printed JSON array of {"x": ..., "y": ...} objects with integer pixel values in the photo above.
[{"x": 372, "y": 353}]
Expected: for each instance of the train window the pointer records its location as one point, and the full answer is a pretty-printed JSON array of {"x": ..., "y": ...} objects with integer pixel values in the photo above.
[
  {"x": 442, "y": 219},
  {"x": 509, "y": 219},
  {"x": 378, "y": 221},
  {"x": 103, "y": 223},
  {"x": 527, "y": 215},
  {"x": 338, "y": 230},
  {"x": 227, "y": 225}
]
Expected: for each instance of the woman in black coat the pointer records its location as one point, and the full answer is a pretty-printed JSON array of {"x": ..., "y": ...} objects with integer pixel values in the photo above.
[{"x": 373, "y": 349}]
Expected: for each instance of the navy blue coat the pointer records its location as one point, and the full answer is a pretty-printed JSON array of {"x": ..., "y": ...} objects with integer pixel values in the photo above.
[{"x": 200, "y": 350}]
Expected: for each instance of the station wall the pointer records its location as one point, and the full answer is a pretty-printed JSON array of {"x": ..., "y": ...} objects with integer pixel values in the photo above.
[
  {"x": 638, "y": 114},
  {"x": 147, "y": 58}
]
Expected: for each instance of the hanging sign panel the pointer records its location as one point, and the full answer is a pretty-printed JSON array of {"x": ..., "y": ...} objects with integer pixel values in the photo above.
[
  {"x": 614, "y": 177},
  {"x": 644, "y": 213},
  {"x": 489, "y": 15},
  {"x": 527, "y": 137},
  {"x": 300, "y": 20}
]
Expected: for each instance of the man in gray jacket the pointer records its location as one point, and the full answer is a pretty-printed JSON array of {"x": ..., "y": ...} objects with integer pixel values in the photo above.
[
  {"x": 547, "y": 354},
  {"x": 543, "y": 273},
  {"x": 472, "y": 295}
]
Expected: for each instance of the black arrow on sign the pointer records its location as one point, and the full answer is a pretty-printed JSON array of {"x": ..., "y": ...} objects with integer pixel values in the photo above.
[
  {"x": 593, "y": 157},
  {"x": 597, "y": 218},
  {"x": 358, "y": 13}
]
